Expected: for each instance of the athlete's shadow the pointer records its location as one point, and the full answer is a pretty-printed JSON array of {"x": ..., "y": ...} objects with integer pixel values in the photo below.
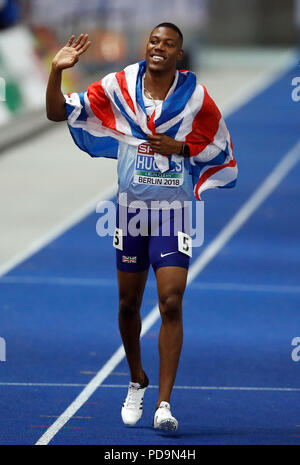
[{"x": 159, "y": 433}]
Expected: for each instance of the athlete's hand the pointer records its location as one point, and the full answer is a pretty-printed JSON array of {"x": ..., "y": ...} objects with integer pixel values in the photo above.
[
  {"x": 164, "y": 145},
  {"x": 69, "y": 54}
]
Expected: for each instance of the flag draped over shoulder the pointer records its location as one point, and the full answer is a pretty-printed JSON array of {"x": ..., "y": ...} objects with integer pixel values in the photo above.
[{"x": 113, "y": 110}]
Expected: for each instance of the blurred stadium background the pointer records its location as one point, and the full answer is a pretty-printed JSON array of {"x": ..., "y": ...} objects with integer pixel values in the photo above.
[{"x": 33, "y": 30}]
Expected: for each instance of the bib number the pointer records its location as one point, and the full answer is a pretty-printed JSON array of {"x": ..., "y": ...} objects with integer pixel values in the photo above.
[
  {"x": 118, "y": 239},
  {"x": 184, "y": 243}
]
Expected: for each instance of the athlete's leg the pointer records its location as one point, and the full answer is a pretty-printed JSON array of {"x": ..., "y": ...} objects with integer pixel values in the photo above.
[
  {"x": 131, "y": 289},
  {"x": 171, "y": 283}
]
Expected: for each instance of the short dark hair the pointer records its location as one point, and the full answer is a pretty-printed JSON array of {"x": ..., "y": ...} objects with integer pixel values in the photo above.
[{"x": 171, "y": 26}]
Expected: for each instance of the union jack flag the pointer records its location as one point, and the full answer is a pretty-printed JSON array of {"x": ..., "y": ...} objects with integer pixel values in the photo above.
[
  {"x": 113, "y": 110},
  {"x": 126, "y": 259}
]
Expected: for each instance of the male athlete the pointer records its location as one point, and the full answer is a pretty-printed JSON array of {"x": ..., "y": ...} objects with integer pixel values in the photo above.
[{"x": 159, "y": 123}]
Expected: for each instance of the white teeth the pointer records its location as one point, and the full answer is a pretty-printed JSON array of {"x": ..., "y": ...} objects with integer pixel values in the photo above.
[{"x": 157, "y": 58}]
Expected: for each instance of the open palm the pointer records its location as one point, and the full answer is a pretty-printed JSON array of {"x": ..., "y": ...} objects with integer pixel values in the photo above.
[{"x": 69, "y": 54}]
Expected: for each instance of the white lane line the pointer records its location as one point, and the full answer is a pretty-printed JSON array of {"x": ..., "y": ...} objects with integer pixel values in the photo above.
[
  {"x": 154, "y": 386},
  {"x": 58, "y": 281},
  {"x": 35, "y": 246},
  {"x": 247, "y": 287},
  {"x": 256, "y": 199},
  {"x": 3, "y": 383},
  {"x": 99, "y": 282},
  {"x": 77, "y": 417},
  {"x": 82, "y": 397},
  {"x": 287, "y": 60}
]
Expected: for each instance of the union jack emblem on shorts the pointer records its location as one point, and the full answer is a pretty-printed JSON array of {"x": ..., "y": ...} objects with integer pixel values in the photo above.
[{"x": 126, "y": 259}]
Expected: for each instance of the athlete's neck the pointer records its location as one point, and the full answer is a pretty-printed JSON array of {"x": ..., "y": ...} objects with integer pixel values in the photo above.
[{"x": 158, "y": 84}]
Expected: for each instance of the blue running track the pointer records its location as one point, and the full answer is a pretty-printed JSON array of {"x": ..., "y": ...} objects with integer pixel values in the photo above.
[{"x": 237, "y": 382}]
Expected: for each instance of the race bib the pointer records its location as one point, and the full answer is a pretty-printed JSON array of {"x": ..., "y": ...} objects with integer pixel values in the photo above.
[
  {"x": 185, "y": 243},
  {"x": 118, "y": 239},
  {"x": 147, "y": 172}
]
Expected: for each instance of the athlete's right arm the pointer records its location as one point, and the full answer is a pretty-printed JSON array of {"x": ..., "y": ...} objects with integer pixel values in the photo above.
[{"x": 67, "y": 57}]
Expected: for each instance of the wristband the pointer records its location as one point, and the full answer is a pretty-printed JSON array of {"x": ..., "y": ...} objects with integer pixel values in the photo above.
[{"x": 185, "y": 151}]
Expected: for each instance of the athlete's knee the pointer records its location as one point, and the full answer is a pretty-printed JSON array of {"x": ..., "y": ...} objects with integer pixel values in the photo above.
[
  {"x": 171, "y": 307},
  {"x": 129, "y": 306}
]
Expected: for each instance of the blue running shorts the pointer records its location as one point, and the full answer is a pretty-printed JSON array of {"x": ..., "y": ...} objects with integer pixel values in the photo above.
[{"x": 147, "y": 237}]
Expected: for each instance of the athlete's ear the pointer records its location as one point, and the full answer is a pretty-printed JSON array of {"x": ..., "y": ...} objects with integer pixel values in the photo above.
[{"x": 180, "y": 55}]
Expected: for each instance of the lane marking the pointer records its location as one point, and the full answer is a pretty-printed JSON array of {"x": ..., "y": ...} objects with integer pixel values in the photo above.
[
  {"x": 58, "y": 230},
  {"x": 244, "y": 94},
  {"x": 2, "y": 383},
  {"x": 247, "y": 287},
  {"x": 238, "y": 388},
  {"x": 119, "y": 373},
  {"x": 64, "y": 427},
  {"x": 88, "y": 372},
  {"x": 75, "y": 417},
  {"x": 291, "y": 158},
  {"x": 256, "y": 199},
  {"x": 114, "y": 373},
  {"x": 94, "y": 403},
  {"x": 154, "y": 386},
  {"x": 85, "y": 394},
  {"x": 112, "y": 283}
]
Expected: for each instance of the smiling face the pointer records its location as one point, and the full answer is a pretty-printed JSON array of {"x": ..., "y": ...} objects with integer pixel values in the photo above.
[{"x": 163, "y": 50}]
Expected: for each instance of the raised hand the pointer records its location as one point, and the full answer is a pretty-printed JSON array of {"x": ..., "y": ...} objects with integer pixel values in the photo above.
[{"x": 68, "y": 56}]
